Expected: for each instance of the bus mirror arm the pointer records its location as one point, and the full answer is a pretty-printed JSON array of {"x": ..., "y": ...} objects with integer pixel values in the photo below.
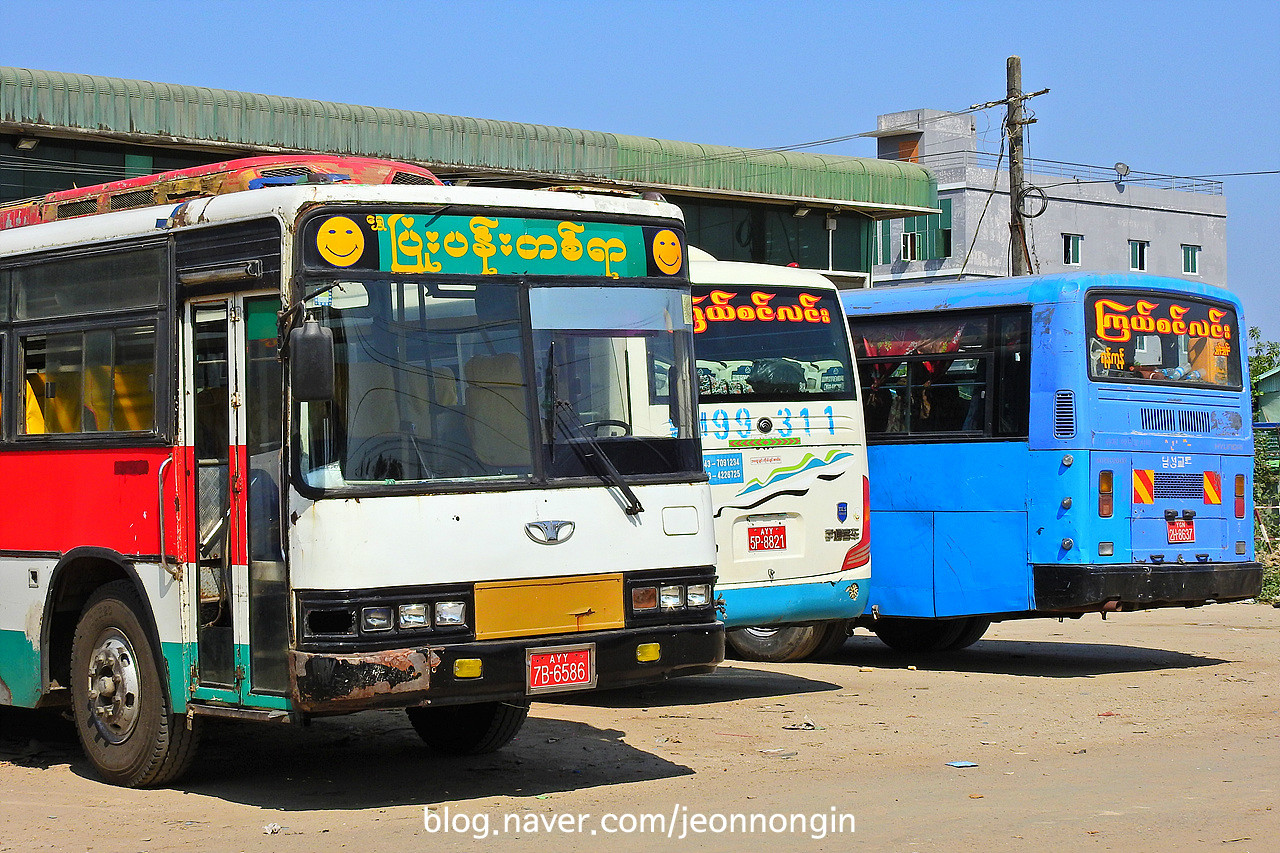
[{"x": 311, "y": 362}]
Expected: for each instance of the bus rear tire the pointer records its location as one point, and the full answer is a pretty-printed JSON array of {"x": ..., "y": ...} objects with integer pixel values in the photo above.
[
  {"x": 776, "y": 643},
  {"x": 974, "y": 628},
  {"x": 837, "y": 633},
  {"x": 918, "y": 636},
  {"x": 469, "y": 729},
  {"x": 121, "y": 711}
]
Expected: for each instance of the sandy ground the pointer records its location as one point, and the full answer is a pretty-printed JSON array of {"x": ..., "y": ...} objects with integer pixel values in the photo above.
[{"x": 1150, "y": 731}]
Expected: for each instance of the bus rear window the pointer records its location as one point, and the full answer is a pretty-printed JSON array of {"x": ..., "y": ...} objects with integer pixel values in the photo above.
[{"x": 1156, "y": 337}]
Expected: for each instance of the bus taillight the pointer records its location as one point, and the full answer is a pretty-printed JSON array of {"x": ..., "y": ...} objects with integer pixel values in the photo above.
[
  {"x": 860, "y": 554},
  {"x": 1239, "y": 495},
  {"x": 1106, "y": 494}
]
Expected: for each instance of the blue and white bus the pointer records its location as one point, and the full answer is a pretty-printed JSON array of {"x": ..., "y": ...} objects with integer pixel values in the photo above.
[
  {"x": 784, "y": 447},
  {"x": 1052, "y": 446}
]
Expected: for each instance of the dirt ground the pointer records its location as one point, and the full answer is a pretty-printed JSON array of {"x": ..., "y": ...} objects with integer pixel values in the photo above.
[{"x": 1149, "y": 731}]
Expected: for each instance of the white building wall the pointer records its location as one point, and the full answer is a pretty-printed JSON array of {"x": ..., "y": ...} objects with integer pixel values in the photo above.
[{"x": 1088, "y": 201}]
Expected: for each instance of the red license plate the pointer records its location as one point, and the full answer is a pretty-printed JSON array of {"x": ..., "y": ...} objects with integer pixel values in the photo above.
[
  {"x": 561, "y": 668},
  {"x": 1182, "y": 531},
  {"x": 771, "y": 538}
]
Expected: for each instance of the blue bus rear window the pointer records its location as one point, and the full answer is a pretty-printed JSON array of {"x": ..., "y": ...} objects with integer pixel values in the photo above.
[{"x": 1156, "y": 337}]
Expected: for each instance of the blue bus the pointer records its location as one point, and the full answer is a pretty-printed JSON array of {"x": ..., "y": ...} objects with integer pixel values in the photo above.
[{"x": 1052, "y": 446}]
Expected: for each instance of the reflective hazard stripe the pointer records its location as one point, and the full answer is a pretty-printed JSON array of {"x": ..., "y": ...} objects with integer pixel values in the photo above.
[
  {"x": 1212, "y": 487},
  {"x": 1144, "y": 487}
]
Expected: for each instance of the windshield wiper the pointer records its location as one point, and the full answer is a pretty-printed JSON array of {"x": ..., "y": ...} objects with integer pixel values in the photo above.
[{"x": 589, "y": 448}]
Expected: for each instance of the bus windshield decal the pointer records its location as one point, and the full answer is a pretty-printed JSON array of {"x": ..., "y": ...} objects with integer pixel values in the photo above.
[
  {"x": 420, "y": 242},
  {"x": 1150, "y": 338},
  {"x": 722, "y": 306}
]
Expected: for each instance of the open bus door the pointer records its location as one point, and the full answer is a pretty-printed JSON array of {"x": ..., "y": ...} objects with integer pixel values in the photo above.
[{"x": 232, "y": 418}]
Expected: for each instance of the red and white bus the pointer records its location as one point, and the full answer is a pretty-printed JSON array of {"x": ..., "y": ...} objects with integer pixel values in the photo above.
[{"x": 307, "y": 436}]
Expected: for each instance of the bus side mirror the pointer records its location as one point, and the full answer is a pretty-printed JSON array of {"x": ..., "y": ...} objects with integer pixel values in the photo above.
[{"x": 311, "y": 363}]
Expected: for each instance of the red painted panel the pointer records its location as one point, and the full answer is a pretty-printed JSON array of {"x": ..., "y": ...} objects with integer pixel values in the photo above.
[{"x": 63, "y": 499}]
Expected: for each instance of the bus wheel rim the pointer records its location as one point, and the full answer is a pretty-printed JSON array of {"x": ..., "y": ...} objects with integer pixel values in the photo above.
[{"x": 114, "y": 686}]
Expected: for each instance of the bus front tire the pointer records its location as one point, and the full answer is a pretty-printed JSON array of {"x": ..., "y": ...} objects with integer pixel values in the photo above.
[
  {"x": 469, "y": 729},
  {"x": 121, "y": 711},
  {"x": 918, "y": 636},
  {"x": 776, "y": 643}
]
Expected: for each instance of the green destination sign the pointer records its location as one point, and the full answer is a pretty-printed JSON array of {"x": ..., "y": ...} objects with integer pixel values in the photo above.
[{"x": 417, "y": 242}]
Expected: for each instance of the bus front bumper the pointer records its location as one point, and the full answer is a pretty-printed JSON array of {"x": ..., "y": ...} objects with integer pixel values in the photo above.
[
  {"x": 1136, "y": 586},
  {"x": 338, "y": 683}
]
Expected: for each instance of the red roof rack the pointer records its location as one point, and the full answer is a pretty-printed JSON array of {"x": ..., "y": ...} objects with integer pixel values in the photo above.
[{"x": 214, "y": 179}]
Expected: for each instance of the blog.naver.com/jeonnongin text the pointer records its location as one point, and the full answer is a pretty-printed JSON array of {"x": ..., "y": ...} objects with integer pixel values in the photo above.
[{"x": 679, "y": 823}]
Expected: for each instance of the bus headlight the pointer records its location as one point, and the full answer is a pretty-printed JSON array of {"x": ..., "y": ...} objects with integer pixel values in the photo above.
[
  {"x": 451, "y": 613},
  {"x": 414, "y": 616},
  {"x": 375, "y": 619},
  {"x": 698, "y": 595},
  {"x": 644, "y": 598},
  {"x": 671, "y": 597}
]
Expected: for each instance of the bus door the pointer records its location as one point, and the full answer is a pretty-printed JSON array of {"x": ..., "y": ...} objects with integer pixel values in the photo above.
[{"x": 232, "y": 381}]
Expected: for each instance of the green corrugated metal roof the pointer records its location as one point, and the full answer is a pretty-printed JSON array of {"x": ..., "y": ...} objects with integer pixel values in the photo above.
[{"x": 161, "y": 113}]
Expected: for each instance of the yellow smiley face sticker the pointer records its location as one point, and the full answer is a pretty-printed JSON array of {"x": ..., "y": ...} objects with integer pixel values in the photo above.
[
  {"x": 667, "y": 253},
  {"x": 340, "y": 241}
]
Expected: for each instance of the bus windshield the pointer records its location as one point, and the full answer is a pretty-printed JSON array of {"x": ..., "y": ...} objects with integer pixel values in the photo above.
[
  {"x": 1154, "y": 337},
  {"x": 770, "y": 343},
  {"x": 432, "y": 383}
]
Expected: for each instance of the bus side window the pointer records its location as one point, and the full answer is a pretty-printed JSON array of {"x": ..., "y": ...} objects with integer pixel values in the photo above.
[{"x": 1013, "y": 375}]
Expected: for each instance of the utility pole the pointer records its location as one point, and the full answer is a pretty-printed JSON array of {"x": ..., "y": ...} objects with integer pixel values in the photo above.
[
  {"x": 1013, "y": 127},
  {"x": 1013, "y": 124}
]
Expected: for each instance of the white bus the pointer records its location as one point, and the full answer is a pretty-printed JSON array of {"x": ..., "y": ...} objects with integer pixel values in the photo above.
[
  {"x": 339, "y": 444},
  {"x": 785, "y": 450}
]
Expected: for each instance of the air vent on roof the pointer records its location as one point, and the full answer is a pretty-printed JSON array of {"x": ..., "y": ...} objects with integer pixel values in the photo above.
[
  {"x": 130, "y": 200},
  {"x": 410, "y": 178},
  {"x": 286, "y": 172},
  {"x": 1064, "y": 414},
  {"x": 78, "y": 208}
]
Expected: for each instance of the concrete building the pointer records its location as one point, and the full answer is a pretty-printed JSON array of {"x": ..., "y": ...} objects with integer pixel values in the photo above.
[
  {"x": 1090, "y": 218},
  {"x": 817, "y": 211}
]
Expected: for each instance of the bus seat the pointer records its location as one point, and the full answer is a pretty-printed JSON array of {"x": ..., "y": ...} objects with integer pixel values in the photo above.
[
  {"x": 34, "y": 416},
  {"x": 382, "y": 421},
  {"x": 497, "y": 420}
]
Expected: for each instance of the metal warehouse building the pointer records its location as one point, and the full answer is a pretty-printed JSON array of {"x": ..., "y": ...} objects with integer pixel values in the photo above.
[{"x": 817, "y": 211}]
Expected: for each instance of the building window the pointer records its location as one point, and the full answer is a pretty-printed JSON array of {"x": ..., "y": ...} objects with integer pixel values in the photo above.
[
  {"x": 928, "y": 238},
  {"x": 1190, "y": 260},
  {"x": 1138, "y": 255},
  {"x": 909, "y": 244},
  {"x": 883, "y": 243},
  {"x": 1071, "y": 249}
]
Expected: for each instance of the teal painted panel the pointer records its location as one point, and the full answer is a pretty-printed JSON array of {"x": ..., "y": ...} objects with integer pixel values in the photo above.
[{"x": 19, "y": 670}]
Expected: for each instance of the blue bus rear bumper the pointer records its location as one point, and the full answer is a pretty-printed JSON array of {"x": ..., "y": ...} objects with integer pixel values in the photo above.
[
  {"x": 1135, "y": 586},
  {"x": 782, "y": 604}
]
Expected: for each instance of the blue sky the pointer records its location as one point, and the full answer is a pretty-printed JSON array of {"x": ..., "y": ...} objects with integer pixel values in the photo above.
[{"x": 1173, "y": 87}]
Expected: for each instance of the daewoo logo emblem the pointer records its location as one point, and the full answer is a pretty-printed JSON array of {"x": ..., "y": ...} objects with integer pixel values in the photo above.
[{"x": 549, "y": 532}]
